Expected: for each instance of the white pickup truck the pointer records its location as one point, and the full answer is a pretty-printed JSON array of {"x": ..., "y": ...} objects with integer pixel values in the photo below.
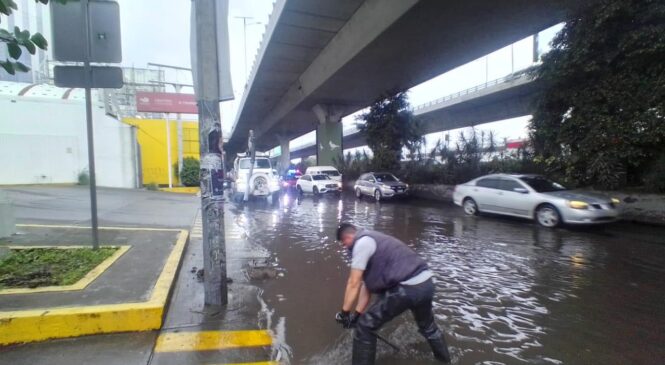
[{"x": 264, "y": 181}]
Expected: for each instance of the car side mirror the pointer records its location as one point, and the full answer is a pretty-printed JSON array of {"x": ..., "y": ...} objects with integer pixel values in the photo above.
[{"x": 521, "y": 190}]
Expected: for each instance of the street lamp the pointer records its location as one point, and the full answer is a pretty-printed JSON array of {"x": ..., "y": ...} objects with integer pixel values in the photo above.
[{"x": 245, "y": 24}]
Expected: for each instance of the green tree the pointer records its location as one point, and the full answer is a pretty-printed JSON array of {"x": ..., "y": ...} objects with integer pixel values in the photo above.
[
  {"x": 389, "y": 127},
  {"x": 17, "y": 40},
  {"x": 600, "y": 118}
]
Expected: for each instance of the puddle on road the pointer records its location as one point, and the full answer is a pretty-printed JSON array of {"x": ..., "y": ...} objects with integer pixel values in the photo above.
[{"x": 508, "y": 292}]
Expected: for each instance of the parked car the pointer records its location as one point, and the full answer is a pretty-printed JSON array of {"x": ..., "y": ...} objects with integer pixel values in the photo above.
[
  {"x": 318, "y": 184},
  {"x": 535, "y": 197},
  {"x": 330, "y": 171},
  {"x": 264, "y": 181},
  {"x": 380, "y": 185}
]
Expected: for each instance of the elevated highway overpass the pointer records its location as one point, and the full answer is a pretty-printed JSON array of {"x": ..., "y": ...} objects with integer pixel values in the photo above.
[
  {"x": 322, "y": 60},
  {"x": 504, "y": 98}
]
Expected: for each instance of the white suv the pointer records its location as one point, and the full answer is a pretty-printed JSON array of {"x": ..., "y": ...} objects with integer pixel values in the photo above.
[
  {"x": 264, "y": 181},
  {"x": 330, "y": 171}
]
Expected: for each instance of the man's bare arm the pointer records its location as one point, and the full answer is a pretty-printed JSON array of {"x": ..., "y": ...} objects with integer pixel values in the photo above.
[
  {"x": 353, "y": 286},
  {"x": 363, "y": 300}
]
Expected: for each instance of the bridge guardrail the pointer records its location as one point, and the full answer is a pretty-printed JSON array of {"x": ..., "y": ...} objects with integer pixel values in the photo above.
[{"x": 511, "y": 77}]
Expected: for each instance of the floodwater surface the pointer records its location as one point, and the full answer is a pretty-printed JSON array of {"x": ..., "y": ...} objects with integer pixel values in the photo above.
[{"x": 508, "y": 292}]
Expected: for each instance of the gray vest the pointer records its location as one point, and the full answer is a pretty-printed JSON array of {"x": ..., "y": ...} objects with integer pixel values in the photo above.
[{"x": 392, "y": 262}]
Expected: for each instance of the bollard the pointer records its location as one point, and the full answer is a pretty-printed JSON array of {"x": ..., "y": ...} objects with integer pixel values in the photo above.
[{"x": 7, "y": 220}]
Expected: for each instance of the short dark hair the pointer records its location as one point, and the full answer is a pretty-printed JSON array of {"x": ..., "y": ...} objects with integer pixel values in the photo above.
[{"x": 345, "y": 228}]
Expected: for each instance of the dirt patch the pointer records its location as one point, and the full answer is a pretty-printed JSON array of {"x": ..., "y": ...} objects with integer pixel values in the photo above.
[{"x": 38, "y": 267}]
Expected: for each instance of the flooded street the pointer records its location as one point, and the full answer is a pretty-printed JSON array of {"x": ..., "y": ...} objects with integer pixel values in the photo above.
[{"x": 508, "y": 292}]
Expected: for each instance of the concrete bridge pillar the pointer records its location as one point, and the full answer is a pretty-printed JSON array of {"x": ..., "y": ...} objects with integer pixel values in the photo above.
[
  {"x": 7, "y": 220},
  {"x": 285, "y": 157},
  {"x": 329, "y": 134}
]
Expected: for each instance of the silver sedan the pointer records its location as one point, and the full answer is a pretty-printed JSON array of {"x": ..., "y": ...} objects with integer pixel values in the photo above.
[{"x": 535, "y": 197}]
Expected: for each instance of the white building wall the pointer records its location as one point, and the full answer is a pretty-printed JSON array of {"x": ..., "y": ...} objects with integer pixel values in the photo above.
[{"x": 44, "y": 140}]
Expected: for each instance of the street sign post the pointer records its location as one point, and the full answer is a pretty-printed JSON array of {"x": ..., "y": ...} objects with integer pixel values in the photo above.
[
  {"x": 75, "y": 76},
  {"x": 87, "y": 31}
]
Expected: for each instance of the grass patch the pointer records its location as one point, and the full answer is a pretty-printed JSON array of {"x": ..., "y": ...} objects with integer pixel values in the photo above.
[{"x": 37, "y": 267}]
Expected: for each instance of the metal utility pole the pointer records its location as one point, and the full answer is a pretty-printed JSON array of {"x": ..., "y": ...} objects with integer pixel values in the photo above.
[
  {"x": 169, "y": 166},
  {"x": 88, "y": 118},
  {"x": 210, "y": 137},
  {"x": 252, "y": 160},
  {"x": 244, "y": 35},
  {"x": 536, "y": 55}
]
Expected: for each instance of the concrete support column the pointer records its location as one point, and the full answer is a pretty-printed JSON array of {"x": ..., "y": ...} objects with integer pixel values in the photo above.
[
  {"x": 285, "y": 157},
  {"x": 329, "y": 134},
  {"x": 7, "y": 220}
]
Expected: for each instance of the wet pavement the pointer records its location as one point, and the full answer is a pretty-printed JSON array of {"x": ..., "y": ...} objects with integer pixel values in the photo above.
[{"x": 508, "y": 292}]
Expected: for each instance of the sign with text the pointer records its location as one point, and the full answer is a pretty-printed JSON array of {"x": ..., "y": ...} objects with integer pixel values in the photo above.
[{"x": 166, "y": 103}]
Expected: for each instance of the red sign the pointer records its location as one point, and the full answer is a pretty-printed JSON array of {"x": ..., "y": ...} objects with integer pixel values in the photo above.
[
  {"x": 166, "y": 103},
  {"x": 513, "y": 145}
]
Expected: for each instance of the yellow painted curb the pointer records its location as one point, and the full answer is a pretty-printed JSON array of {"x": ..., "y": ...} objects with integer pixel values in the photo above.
[
  {"x": 49, "y": 323},
  {"x": 211, "y": 340},
  {"x": 182, "y": 190},
  {"x": 79, "y": 285}
]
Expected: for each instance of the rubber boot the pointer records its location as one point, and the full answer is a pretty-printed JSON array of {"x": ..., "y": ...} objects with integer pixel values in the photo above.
[
  {"x": 363, "y": 353},
  {"x": 440, "y": 350}
]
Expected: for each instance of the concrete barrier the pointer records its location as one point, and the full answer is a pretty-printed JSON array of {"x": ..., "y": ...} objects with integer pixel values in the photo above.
[
  {"x": 7, "y": 220},
  {"x": 642, "y": 208},
  {"x": 438, "y": 192}
]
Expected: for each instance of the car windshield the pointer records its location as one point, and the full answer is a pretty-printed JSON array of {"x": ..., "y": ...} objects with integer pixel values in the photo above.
[
  {"x": 330, "y": 173},
  {"x": 385, "y": 177},
  {"x": 542, "y": 185},
  {"x": 259, "y": 163},
  {"x": 319, "y": 177}
]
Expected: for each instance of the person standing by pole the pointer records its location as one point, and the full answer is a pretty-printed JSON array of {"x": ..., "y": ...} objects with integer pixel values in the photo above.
[{"x": 385, "y": 266}]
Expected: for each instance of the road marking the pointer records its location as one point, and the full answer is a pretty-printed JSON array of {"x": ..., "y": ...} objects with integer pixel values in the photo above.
[
  {"x": 197, "y": 229},
  {"x": 100, "y": 228},
  {"x": 79, "y": 285},
  {"x": 211, "y": 340},
  {"x": 253, "y": 363}
]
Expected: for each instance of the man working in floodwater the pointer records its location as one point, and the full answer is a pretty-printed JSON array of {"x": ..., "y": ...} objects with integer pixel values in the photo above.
[{"x": 384, "y": 265}]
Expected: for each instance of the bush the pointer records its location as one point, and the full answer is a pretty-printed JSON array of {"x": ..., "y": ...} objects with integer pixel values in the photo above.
[
  {"x": 84, "y": 178},
  {"x": 190, "y": 174},
  {"x": 152, "y": 187},
  {"x": 475, "y": 154}
]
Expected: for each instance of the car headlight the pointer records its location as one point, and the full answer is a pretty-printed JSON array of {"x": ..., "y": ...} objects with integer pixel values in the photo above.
[
  {"x": 616, "y": 200},
  {"x": 339, "y": 184},
  {"x": 576, "y": 204}
]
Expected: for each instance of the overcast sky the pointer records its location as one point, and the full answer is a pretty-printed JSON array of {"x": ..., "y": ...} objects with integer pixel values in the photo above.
[{"x": 158, "y": 31}]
